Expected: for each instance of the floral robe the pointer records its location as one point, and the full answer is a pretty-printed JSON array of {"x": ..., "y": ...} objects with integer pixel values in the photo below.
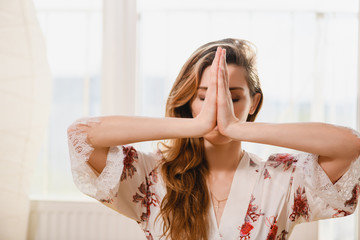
[{"x": 266, "y": 200}]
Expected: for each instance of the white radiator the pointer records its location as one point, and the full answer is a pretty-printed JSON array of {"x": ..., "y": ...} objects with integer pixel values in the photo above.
[
  {"x": 90, "y": 220},
  {"x": 79, "y": 220}
]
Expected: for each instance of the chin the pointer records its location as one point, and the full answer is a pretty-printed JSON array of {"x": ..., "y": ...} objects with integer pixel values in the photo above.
[{"x": 216, "y": 138}]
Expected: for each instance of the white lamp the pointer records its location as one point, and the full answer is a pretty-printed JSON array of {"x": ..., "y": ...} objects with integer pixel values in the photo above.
[{"x": 25, "y": 97}]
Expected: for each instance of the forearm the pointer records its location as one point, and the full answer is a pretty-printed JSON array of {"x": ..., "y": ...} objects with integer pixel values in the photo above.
[
  {"x": 319, "y": 138},
  {"x": 120, "y": 130}
]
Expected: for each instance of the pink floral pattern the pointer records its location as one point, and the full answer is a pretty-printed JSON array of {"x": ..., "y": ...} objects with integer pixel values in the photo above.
[
  {"x": 301, "y": 206},
  {"x": 284, "y": 159},
  {"x": 354, "y": 198},
  {"x": 266, "y": 174},
  {"x": 131, "y": 156},
  {"x": 252, "y": 215},
  {"x": 252, "y": 163},
  {"x": 272, "y": 224},
  {"x": 146, "y": 196},
  {"x": 110, "y": 200},
  {"x": 340, "y": 213},
  {"x": 148, "y": 235}
]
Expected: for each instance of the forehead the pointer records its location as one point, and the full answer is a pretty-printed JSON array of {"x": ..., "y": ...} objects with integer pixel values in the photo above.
[{"x": 237, "y": 77}]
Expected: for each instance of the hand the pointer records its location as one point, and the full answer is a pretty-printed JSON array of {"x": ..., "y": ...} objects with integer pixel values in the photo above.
[
  {"x": 207, "y": 116},
  {"x": 225, "y": 108}
]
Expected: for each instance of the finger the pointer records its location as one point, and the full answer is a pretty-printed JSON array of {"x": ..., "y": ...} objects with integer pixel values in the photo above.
[
  {"x": 220, "y": 83},
  {"x": 226, "y": 76},
  {"x": 215, "y": 63},
  {"x": 223, "y": 81},
  {"x": 221, "y": 72},
  {"x": 214, "y": 72}
]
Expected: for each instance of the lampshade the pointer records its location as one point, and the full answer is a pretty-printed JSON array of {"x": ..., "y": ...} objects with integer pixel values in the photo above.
[{"x": 25, "y": 96}]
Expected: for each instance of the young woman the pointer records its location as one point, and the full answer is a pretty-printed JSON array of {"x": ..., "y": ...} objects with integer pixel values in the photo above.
[{"x": 200, "y": 183}]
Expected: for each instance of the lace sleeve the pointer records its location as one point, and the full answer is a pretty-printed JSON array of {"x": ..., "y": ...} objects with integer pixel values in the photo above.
[
  {"x": 314, "y": 191},
  {"x": 99, "y": 187},
  {"x": 126, "y": 169}
]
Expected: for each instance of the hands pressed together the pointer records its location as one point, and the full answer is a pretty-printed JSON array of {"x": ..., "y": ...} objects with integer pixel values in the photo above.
[{"x": 217, "y": 109}]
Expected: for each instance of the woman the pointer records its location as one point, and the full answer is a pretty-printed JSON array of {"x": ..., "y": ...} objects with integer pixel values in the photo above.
[{"x": 201, "y": 184}]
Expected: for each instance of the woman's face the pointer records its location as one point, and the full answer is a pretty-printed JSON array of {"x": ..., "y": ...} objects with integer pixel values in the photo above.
[{"x": 240, "y": 94}]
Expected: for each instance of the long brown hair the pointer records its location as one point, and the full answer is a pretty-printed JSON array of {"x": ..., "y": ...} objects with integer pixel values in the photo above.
[{"x": 184, "y": 208}]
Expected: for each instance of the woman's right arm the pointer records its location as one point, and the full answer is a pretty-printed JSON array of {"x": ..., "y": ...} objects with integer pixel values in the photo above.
[
  {"x": 121, "y": 130},
  {"x": 105, "y": 168},
  {"x": 110, "y": 131}
]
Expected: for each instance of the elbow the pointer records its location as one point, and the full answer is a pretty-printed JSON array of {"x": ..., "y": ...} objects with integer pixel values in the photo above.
[
  {"x": 82, "y": 128},
  {"x": 354, "y": 144}
]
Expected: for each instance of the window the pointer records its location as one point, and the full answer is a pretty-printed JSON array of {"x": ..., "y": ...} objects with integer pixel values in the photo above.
[
  {"x": 307, "y": 60},
  {"x": 73, "y": 33},
  {"x": 307, "y": 63}
]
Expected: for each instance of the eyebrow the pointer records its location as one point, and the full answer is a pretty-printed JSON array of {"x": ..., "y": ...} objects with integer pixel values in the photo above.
[{"x": 232, "y": 88}]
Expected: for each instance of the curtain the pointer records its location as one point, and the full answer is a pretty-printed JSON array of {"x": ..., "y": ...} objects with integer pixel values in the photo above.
[{"x": 119, "y": 57}]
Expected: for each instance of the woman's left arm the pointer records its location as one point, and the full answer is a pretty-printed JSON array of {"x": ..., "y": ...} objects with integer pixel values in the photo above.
[{"x": 336, "y": 146}]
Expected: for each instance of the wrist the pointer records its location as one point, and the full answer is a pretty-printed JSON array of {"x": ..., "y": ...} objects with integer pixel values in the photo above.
[
  {"x": 231, "y": 128},
  {"x": 200, "y": 128}
]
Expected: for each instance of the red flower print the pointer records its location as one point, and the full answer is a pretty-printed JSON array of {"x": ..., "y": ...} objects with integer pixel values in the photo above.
[
  {"x": 291, "y": 180},
  {"x": 286, "y": 159},
  {"x": 130, "y": 156},
  {"x": 271, "y": 222},
  {"x": 340, "y": 213},
  {"x": 245, "y": 231},
  {"x": 106, "y": 200},
  {"x": 148, "y": 235},
  {"x": 282, "y": 235},
  {"x": 354, "y": 198},
  {"x": 266, "y": 174},
  {"x": 301, "y": 206},
  {"x": 146, "y": 197},
  {"x": 272, "y": 233},
  {"x": 252, "y": 163},
  {"x": 251, "y": 216}
]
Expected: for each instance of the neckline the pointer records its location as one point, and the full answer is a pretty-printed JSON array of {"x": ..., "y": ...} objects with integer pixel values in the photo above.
[{"x": 230, "y": 198}]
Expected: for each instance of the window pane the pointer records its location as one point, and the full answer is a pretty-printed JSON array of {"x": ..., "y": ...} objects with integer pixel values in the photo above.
[{"x": 73, "y": 36}]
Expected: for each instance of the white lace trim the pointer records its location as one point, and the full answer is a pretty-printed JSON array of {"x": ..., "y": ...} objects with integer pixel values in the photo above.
[
  {"x": 319, "y": 183},
  {"x": 105, "y": 186},
  {"x": 356, "y": 133}
]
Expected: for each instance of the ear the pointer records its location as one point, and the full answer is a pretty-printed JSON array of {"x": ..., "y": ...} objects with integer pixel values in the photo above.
[{"x": 255, "y": 102}]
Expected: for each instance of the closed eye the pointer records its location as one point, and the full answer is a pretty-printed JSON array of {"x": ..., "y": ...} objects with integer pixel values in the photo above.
[{"x": 234, "y": 100}]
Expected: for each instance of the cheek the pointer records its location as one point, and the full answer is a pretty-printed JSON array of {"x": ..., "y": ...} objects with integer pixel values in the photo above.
[
  {"x": 241, "y": 109},
  {"x": 196, "y": 107}
]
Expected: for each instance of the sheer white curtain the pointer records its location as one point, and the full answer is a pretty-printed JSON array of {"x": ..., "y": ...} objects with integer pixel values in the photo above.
[
  {"x": 25, "y": 92},
  {"x": 119, "y": 57}
]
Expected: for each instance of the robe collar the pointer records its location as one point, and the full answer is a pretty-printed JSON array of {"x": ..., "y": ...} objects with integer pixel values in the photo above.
[{"x": 239, "y": 197}]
